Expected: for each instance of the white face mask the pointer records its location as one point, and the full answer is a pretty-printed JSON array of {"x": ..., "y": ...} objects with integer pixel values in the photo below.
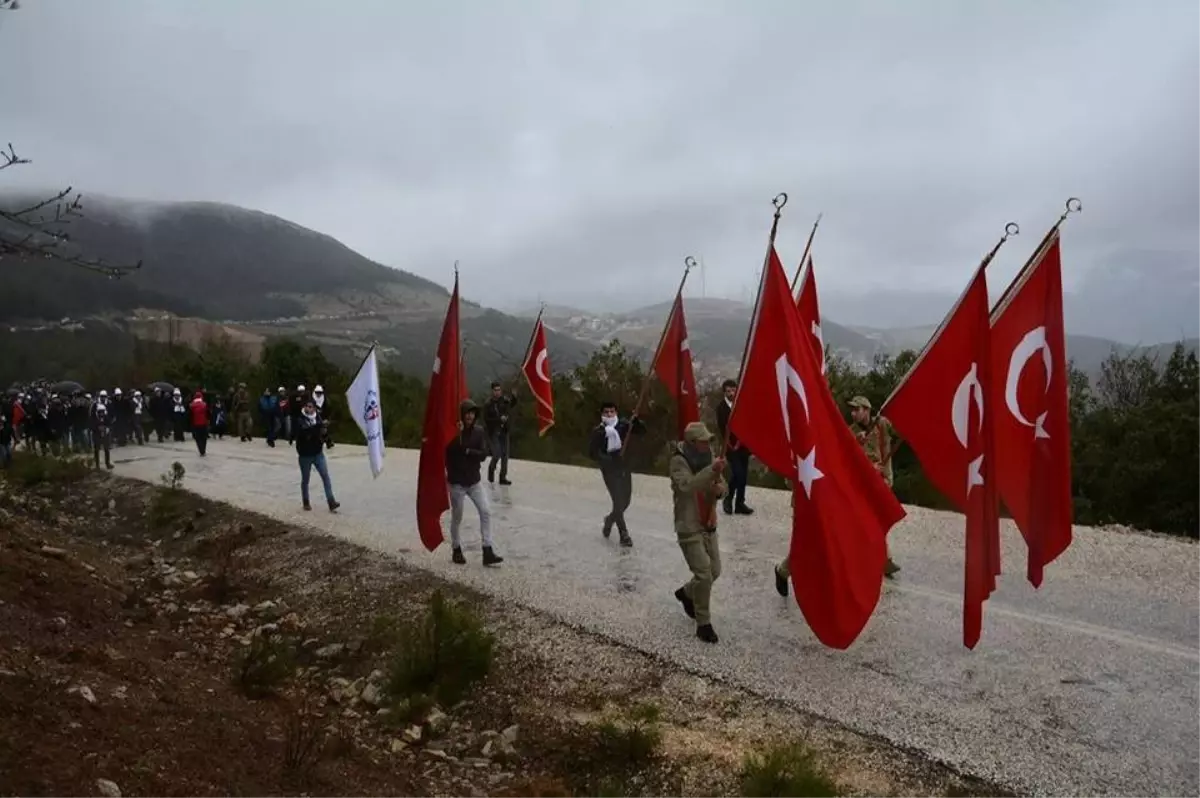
[
  {"x": 608, "y": 421},
  {"x": 310, "y": 414}
]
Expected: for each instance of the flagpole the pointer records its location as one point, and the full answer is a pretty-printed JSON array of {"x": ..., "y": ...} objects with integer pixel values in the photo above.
[
  {"x": 1011, "y": 229},
  {"x": 532, "y": 336},
  {"x": 688, "y": 264},
  {"x": 1073, "y": 205},
  {"x": 458, "y": 367},
  {"x": 367, "y": 355},
  {"x": 780, "y": 200},
  {"x": 804, "y": 257}
]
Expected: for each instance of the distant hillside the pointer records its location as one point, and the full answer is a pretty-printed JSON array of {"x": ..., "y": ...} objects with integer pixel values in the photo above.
[{"x": 262, "y": 275}]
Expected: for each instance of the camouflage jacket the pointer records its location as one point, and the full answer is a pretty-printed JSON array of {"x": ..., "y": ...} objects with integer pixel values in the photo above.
[{"x": 876, "y": 440}]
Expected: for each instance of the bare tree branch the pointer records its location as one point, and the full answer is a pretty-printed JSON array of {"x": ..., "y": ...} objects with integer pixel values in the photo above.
[{"x": 28, "y": 233}]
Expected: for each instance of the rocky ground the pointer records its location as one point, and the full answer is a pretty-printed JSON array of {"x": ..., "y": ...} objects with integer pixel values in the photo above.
[{"x": 156, "y": 643}]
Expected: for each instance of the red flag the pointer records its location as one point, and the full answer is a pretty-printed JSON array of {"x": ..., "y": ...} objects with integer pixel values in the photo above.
[
  {"x": 1033, "y": 433},
  {"x": 942, "y": 410},
  {"x": 843, "y": 509},
  {"x": 673, "y": 365},
  {"x": 441, "y": 425},
  {"x": 810, "y": 311},
  {"x": 536, "y": 369}
]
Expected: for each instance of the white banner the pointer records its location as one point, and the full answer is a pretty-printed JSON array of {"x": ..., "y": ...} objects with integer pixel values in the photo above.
[{"x": 363, "y": 399}]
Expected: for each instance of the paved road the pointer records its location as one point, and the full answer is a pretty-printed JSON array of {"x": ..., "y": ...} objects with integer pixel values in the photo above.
[{"x": 1089, "y": 686}]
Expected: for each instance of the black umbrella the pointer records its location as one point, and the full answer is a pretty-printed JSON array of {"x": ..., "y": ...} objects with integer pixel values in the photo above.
[
  {"x": 66, "y": 386},
  {"x": 163, "y": 386}
]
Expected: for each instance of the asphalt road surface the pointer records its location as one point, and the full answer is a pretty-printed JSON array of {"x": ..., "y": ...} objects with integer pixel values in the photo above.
[{"x": 1088, "y": 686}]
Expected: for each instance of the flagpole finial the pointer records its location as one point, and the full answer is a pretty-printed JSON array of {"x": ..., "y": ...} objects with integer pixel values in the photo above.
[
  {"x": 1011, "y": 229},
  {"x": 1074, "y": 205},
  {"x": 689, "y": 263},
  {"x": 456, "y": 267},
  {"x": 780, "y": 200}
]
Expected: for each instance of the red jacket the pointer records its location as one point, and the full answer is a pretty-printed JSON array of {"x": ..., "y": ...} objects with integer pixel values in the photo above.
[{"x": 199, "y": 412}]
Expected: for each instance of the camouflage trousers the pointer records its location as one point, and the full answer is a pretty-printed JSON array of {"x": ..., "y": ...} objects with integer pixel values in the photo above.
[{"x": 702, "y": 554}]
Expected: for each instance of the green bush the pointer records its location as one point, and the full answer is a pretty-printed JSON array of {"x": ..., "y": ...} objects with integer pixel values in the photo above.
[
  {"x": 786, "y": 770},
  {"x": 265, "y": 665},
  {"x": 441, "y": 655},
  {"x": 633, "y": 739},
  {"x": 30, "y": 470}
]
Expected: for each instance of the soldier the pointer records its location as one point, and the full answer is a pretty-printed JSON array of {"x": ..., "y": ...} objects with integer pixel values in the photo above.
[
  {"x": 697, "y": 484},
  {"x": 874, "y": 435},
  {"x": 241, "y": 413}
]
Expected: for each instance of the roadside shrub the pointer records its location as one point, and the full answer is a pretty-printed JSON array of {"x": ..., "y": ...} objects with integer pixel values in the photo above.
[
  {"x": 441, "y": 655},
  {"x": 634, "y": 738},
  {"x": 303, "y": 745},
  {"x": 31, "y": 470},
  {"x": 173, "y": 477},
  {"x": 264, "y": 666},
  {"x": 784, "y": 770}
]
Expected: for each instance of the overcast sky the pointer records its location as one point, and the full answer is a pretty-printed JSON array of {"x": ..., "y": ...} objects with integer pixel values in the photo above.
[{"x": 576, "y": 152}]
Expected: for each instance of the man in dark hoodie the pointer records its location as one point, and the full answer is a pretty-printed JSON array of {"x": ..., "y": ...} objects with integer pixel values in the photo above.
[
  {"x": 309, "y": 437},
  {"x": 606, "y": 446},
  {"x": 464, "y": 456},
  {"x": 738, "y": 455},
  {"x": 496, "y": 413}
]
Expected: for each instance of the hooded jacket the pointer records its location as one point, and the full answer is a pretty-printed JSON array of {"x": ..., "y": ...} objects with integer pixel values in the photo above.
[
  {"x": 308, "y": 435},
  {"x": 467, "y": 451}
]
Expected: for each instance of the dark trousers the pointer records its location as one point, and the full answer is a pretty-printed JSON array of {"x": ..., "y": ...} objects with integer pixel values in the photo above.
[
  {"x": 739, "y": 472},
  {"x": 619, "y": 482},
  {"x": 101, "y": 439},
  {"x": 200, "y": 436},
  {"x": 180, "y": 426},
  {"x": 499, "y": 453}
]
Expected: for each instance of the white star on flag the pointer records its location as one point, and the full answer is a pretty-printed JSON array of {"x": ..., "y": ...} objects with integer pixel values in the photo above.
[
  {"x": 807, "y": 472},
  {"x": 974, "y": 473}
]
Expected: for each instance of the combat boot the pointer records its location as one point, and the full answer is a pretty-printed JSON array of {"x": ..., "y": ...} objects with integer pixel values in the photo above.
[
  {"x": 689, "y": 606},
  {"x": 490, "y": 557},
  {"x": 707, "y": 633}
]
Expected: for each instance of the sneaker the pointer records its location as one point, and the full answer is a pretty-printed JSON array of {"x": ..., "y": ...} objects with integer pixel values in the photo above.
[
  {"x": 706, "y": 633},
  {"x": 333, "y": 506},
  {"x": 781, "y": 584},
  {"x": 456, "y": 556},
  {"x": 688, "y": 606},
  {"x": 490, "y": 557}
]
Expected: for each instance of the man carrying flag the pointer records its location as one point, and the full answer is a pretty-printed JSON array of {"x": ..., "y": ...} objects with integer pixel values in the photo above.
[
  {"x": 362, "y": 397},
  {"x": 440, "y": 428}
]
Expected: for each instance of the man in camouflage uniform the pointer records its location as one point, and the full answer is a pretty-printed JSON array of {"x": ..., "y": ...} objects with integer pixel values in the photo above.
[
  {"x": 697, "y": 484},
  {"x": 875, "y": 436}
]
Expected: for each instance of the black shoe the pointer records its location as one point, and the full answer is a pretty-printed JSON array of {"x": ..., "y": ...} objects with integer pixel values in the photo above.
[
  {"x": 608, "y": 526},
  {"x": 742, "y": 509},
  {"x": 307, "y": 506},
  {"x": 781, "y": 584},
  {"x": 110, "y": 467},
  {"x": 890, "y": 569},
  {"x": 688, "y": 606},
  {"x": 271, "y": 444},
  {"x": 490, "y": 557},
  {"x": 626, "y": 541},
  {"x": 727, "y": 507},
  {"x": 505, "y": 481},
  {"x": 706, "y": 633},
  {"x": 456, "y": 556},
  {"x": 491, "y": 477},
  {"x": 333, "y": 506}
]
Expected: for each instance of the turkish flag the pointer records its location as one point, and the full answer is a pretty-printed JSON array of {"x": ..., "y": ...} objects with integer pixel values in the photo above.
[
  {"x": 943, "y": 410},
  {"x": 843, "y": 509},
  {"x": 1033, "y": 431},
  {"x": 536, "y": 369},
  {"x": 673, "y": 365},
  {"x": 441, "y": 425},
  {"x": 810, "y": 311}
]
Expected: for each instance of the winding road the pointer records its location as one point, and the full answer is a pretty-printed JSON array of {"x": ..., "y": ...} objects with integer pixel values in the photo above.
[{"x": 1088, "y": 686}]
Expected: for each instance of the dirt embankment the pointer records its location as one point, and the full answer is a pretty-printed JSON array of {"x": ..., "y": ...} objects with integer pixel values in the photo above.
[{"x": 159, "y": 644}]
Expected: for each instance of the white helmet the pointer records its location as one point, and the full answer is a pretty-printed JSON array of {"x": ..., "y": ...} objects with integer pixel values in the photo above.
[
  {"x": 177, "y": 393},
  {"x": 116, "y": 391},
  {"x": 137, "y": 393},
  {"x": 103, "y": 394},
  {"x": 299, "y": 387},
  {"x": 318, "y": 389}
]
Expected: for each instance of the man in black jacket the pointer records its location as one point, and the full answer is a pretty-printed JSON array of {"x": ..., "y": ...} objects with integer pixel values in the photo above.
[
  {"x": 464, "y": 456},
  {"x": 738, "y": 456},
  {"x": 606, "y": 446},
  {"x": 496, "y": 412}
]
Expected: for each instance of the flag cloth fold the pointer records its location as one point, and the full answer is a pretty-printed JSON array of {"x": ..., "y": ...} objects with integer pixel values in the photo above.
[
  {"x": 673, "y": 365},
  {"x": 810, "y": 310},
  {"x": 786, "y": 415},
  {"x": 943, "y": 409},
  {"x": 363, "y": 399},
  {"x": 1033, "y": 431},
  {"x": 440, "y": 427},
  {"x": 536, "y": 369}
]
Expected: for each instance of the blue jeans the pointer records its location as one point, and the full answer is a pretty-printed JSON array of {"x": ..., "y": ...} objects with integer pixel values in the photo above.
[{"x": 306, "y": 465}]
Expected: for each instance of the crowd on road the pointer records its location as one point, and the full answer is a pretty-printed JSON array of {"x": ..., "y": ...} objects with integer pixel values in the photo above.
[{"x": 65, "y": 418}]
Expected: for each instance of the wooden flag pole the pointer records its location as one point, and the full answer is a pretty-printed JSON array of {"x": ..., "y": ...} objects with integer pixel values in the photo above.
[{"x": 804, "y": 257}]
